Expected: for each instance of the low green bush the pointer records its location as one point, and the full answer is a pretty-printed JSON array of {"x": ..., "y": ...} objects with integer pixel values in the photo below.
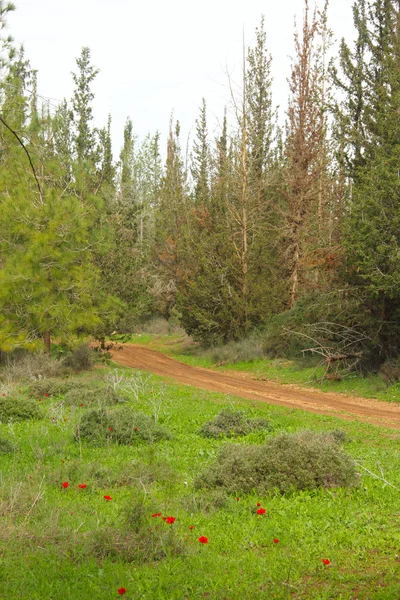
[
  {"x": 122, "y": 426},
  {"x": 61, "y": 387},
  {"x": 6, "y": 447},
  {"x": 16, "y": 408},
  {"x": 93, "y": 395},
  {"x": 232, "y": 423},
  {"x": 286, "y": 463}
]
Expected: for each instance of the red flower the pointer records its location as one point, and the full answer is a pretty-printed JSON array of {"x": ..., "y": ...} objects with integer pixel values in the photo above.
[
  {"x": 156, "y": 515},
  {"x": 110, "y": 428},
  {"x": 65, "y": 484},
  {"x": 203, "y": 540},
  {"x": 258, "y": 503},
  {"x": 81, "y": 405},
  {"x": 276, "y": 541},
  {"x": 136, "y": 429},
  {"x": 170, "y": 520},
  {"x": 107, "y": 497},
  {"x": 261, "y": 511},
  {"x": 237, "y": 499},
  {"x": 191, "y": 527},
  {"x": 121, "y": 591},
  {"x": 4, "y": 394},
  {"x": 47, "y": 395},
  {"x": 326, "y": 561},
  {"x": 82, "y": 486}
]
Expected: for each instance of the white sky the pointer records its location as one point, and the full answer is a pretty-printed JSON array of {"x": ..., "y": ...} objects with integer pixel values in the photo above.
[{"x": 156, "y": 56}]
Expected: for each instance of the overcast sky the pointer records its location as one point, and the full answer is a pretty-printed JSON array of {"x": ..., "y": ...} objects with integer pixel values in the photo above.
[{"x": 156, "y": 56}]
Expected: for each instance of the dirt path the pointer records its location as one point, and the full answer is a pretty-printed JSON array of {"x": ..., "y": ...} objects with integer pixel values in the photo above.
[{"x": 338, "y": 405}]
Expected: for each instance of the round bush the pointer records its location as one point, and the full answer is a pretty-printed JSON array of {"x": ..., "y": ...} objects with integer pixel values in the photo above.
[
  {"x": 286, "y": 463},
  {"x": 232, "y": 423},
  {"x": 122, "y": 426},
  {"x": 15, "y": 408}
]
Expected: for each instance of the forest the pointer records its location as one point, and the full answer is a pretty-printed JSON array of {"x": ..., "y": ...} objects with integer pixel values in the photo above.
[
  {"x": 200, "y": 343},
  {"x": 290, "y": 231}
]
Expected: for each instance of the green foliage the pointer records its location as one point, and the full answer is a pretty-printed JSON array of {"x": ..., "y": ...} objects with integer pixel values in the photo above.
[
  {"x": 141, "y": 547},
  {"x": 16, "y": 408},
  {"x": 76, "y": 393},
  {"x": 122, "y": 426},
  {"x": 232, "y": 423},
  {"x": 54, "y": 387},
  {"x": 93, "y": 395},
  {"x": 286, "y": 463},
  {"x": 6, "y": 447}
]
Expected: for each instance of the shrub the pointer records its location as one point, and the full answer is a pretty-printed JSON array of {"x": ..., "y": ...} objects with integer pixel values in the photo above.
[
  {"x": 143, "y": 546},
  {"x": 287, "y": 462},
  {"x": 160, "y": 326},
  {"x": 232, "y": 423},
  {"x": 390, "y": 370},
  {"x": 122, "y": 426},
  {"x": 6, "y": 447},
  {"x": 93, "y": 395},
  {"x": 58, "y": 387},
  {"x": 15, "y": 408},
  {"x": 246, "y": 350},
  {"x": 81, "y": 358}
]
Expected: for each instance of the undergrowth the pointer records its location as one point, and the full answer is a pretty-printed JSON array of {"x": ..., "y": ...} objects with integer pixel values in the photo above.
[
  {"x": 122, "y": 426},
  {"x": 286, "y": 463},
  {"x": 232, "y": 423}
]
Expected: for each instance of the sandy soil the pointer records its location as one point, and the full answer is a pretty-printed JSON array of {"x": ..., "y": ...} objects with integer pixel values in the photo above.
[{"x": 240, "y": 384}]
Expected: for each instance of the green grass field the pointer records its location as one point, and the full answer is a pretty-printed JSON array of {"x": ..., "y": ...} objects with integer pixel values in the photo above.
[{"x": 69, "y": 542}]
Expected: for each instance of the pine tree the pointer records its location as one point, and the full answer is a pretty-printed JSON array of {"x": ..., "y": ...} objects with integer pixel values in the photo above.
[
  {"x": 201, "y": 159},
  {"x": 170, "y": 218},
  {"x": 261, "y": 116},
  {"x": 372, "y": 226},
  {"x": 84, "y": 136}
]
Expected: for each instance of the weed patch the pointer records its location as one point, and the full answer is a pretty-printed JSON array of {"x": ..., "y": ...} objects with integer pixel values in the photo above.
[
  {"x": 29, "y": 366},
  {"x": 286, "y": 463},
  {"x": 6, "y": 447},
  {"x": 122, "y": 426},
  {"x": 15, "y": 408},
  {"x": 232, "y": 423}
]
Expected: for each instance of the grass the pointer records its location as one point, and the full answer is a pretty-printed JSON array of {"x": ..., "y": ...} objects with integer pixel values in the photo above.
[{"x": 72, "y": 543}]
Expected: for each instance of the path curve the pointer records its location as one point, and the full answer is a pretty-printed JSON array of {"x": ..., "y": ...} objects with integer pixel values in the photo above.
[{"x": 239, "y": 384}]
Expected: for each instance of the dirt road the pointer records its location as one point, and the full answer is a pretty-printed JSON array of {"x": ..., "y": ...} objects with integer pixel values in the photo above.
[{"x": 238, "y": 384}]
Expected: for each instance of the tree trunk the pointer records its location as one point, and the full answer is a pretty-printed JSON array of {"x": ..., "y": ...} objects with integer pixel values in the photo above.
[{"x": 47, "y": 341}]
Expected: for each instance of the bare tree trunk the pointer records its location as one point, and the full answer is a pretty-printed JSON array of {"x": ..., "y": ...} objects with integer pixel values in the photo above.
[{"x": 294, "y": 275}]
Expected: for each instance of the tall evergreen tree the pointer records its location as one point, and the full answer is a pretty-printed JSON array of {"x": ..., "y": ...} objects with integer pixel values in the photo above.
[
  {"x": 84, "y": 135},
  {"x": 373, "y": 223},
  {"x": 201, "y": 159}
]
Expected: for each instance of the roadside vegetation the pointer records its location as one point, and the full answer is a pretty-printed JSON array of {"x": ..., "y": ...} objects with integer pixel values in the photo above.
[{"x": 298, "y": 506}]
